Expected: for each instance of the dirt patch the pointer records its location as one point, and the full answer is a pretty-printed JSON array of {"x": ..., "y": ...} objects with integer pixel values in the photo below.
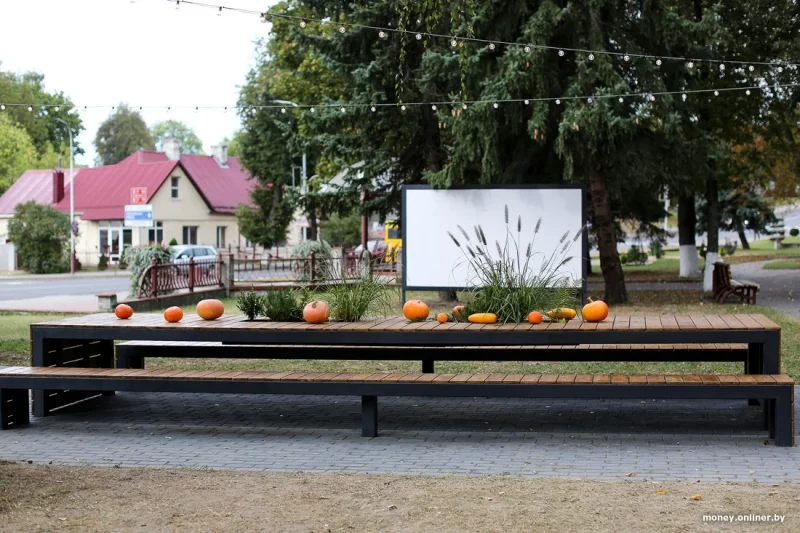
[{"x": 95, "y": 499}]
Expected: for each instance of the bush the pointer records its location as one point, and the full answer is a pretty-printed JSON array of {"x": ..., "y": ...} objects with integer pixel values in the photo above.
[
  {"x": 173, "y": 242},
  {"x": 41, "y": 237},
  {"x": 636, "y": 255},
  {"x": 102, "y": 264},
  {"x": 656, "y": 249},
  {"x": 251, "y": 304},
  {"x": 794, "y": 232},
  {"x": 138, "y": 259},
  {"x": 623, "y": 258},
  {"x": 323, "y": 255},
  {"x": 284, "y": 305},
  {"x": 729, "y": 247}
]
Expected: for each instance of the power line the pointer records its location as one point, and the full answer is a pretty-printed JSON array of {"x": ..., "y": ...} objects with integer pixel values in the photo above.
[{"x": 384, "y": 32}]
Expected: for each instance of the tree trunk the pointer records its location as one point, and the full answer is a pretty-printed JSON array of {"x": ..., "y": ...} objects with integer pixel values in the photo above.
[
  {"x": 742, "y": 237},
  {"x": 606, "y": 231},
  {"x": 712, "y": 218},
  {"x": 687, "y": 221}
]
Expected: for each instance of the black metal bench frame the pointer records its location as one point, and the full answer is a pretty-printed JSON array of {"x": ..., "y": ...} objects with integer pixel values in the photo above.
[{"x": 780, "y": 397}]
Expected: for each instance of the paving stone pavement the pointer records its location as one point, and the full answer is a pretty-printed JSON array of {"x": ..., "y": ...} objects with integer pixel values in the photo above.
[{"x": 575, "y": 439}]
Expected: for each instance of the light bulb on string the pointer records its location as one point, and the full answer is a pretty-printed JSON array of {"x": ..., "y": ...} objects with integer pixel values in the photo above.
[
  {"x": 690, "y": 64},
  {"x": 2, "y": 107},
  {"x": 196, "y": 109},
  {"x": 372, "y": 109},
  {"x": 526, "y": 102},
  {"x": 313, "y": 109},
  {"x": 527, "y": 49},
  {"x": 382, "y": 34},
  {"x": 168, "y": 108},
  {"x": 626, "y": 57},
  {"x": 722, "y": 66},
  {"x": 747, "y": 92},
  {"x": 590, "y": 100},
  {"x": 224, "y": 109},
  {"x": 561, "y": 53},
  {"x": 495, "y": 105},
  {"x": 419, "y": 37},
  {"x": 283, "y": 110},
  {"x": 464, "y": 106},
  {"x": 402, "y": 108},
  {"x": 751, "y": 68},
  {"x": 591, "y": 57},
  {"x": 492, "y": 46},
  {"x": 558, "y": 101},
  {"x": 219, "y": 12},
  {"x": 140, "y": 108},
  {"x": 683, "y": 97},
  {"x": 30, "y": 108},
  {"x": 453, "y": 43},
  {"x": 780, "y": 69},
  {"x": 658, "y": 62},
  {"x": 342, "y": 29},
  {"x": 716, "y": 93},
  {"x": 433, "y": 107},
  {"x": 303, "y": 23},
  {"x": 342, "y": 109},
  {"x": 621, "y": 99},
  {"x": 56, "y": 108}
]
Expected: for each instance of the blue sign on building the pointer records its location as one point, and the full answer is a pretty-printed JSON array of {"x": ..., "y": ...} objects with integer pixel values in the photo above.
[{"x": 139, "y": 216}]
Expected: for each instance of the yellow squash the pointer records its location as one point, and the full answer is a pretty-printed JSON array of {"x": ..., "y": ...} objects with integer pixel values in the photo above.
[
  {"x": 563, "y": 312},
  {"x": 483, "y": 318}
]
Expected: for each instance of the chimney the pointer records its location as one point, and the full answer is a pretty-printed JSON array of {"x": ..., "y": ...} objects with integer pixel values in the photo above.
[
  {"x": 172, "y": 147},
  {"x": 220, "y": 154},
  {"x": 58, "y": 186}
]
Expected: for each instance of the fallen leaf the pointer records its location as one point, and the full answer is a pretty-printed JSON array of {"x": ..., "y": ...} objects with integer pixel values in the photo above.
[
  {"x": 629, "y": 474},
  {"x": 502, "y": 493},
  {"x": 773, "y": 492},
  {"x": 696, "y": 497},
  {"x": 488, "y": 498},
  {"x": 63, "y": 519},
  {"x": 662, "y": 492},
  {"x": 392, "y": 507}
]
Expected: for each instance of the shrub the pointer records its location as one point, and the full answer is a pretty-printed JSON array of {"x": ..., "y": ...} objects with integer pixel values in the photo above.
[
  {"x": 139, "y": 258},
  {"x": 284, "y": 305},
  {"x": 102, "y": 264},
  {"x": 41, "y": 237},
  {"x": 656, "y": 249},
  {"x": 794, "y": 232},
  {"x": 323, "y": 260},
  {"x": 173, "y": 242},
  {"x": 251, "y": 304},
  {"x": 506, "y": 282},
  {"x": 729, "y": 247},
  {"x": 636, "y": 255},
  {"x": 722, "y": 252},
  {"x": 623, "y": 258}
]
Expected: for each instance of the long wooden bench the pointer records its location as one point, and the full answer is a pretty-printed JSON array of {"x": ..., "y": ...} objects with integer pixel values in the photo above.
[
  {"x": 132, "y": 354},
  {"x": 777, "y": 391},
  {"x": 724, "y": 286}
]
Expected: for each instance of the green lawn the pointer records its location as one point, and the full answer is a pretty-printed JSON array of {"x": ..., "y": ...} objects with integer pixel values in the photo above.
[
  {"x": 790, "y": 264},
  {"x": 14, "y": 344}
]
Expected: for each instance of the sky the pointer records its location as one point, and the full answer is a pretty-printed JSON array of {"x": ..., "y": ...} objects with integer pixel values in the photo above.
[{"x": 142, "y": 52}]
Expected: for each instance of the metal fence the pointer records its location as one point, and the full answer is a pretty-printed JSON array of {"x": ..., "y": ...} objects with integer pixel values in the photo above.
[{"x": 159, "y": 279}]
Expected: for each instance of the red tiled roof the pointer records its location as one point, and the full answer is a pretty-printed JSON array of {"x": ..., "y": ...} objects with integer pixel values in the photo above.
[
  {"x": 34, "y": 185},
  {"x": 102, "y": 192}
]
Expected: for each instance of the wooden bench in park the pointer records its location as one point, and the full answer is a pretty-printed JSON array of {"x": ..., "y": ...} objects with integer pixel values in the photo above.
[
  {"x": 724, "y": 286},
  {"x": 777, "y": 391}
]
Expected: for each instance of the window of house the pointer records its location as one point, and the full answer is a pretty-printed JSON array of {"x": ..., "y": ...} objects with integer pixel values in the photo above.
[
  {"x": 174, "y": 186},
  {"x": 221, "y": 237},
  {"x": 156, "y": 233},
  {"x": 190, "y": 235}
]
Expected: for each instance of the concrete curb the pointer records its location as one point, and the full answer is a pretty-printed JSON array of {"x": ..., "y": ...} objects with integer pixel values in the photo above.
[{"x": 85, "y": 275}]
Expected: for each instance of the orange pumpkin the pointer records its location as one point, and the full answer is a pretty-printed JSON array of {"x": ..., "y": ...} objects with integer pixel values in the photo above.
[
  {"x": 173, "y": 314},
  {"x": 316, "y": 312},
  {"x": 441, "y": 318},
  {"x": 416, "y": 310},
  {"x": 210, "y": 309},
  {"x": 535, "y": 317},
  {"x": 123, "y": 311},
  {"x": 595, "y": 311},
  {"x": 458, "y": 311}
]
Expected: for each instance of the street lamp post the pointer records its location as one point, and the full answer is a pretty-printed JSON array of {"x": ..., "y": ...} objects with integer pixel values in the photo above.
[
  {"x": 304, "y": 176},
  {"x": 71, "y": 202}
]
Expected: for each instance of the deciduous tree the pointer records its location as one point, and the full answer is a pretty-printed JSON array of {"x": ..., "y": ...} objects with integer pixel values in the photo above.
[{"x": 120, "y": 135}]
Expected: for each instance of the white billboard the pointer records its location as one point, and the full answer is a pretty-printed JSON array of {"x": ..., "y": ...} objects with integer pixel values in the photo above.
[{"x": 432, "y": 261}]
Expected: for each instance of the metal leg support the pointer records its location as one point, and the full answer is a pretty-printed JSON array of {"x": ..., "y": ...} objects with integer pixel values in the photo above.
[
  {"x": 427, "y": 366},
  {"x": 369, "y": 416},
  {"x": 784, "y": 418},
  {"x": 14, "y": 408}
]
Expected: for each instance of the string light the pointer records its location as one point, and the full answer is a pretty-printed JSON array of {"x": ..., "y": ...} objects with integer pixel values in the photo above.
[
  {"x": 621, "y": 99},
  {"x": 402, "y": 108},
  {"x": 342, "y": 29},
  {"x": 303, "y": 23},
  {"x": 495, "y": 105},
  {"x": 463, "y": 106},
  {"x": 591, "y": 57},
  {"x": 372, "y": 109},
  {"x": 283, "y": 110},
  {"x": 453, "y": 43},
  {"x": 30, "y": 108},
  {"x": 342, "y": 109},
  {"x": 313, "y": 110},
  {"x": 716, "y": 93},
  {"x": 527, "y": 49},
  {"x": 751, "y": 68},
  {"x": 527, "y": 102},
  {"x": 558, "y": 102},
  {"x": 56, "y": 108},
  {"x": 433, "y": 107},
  {"x": 658, "y": 62},
  {"x": 589, "y": 100},
  {"x": 561, "y": 51},
  {"x": 747, "y": 92},
  {"x": 419, "y": 37},
  {"x": 491, "y": 46},
  {"x": 722, "y": 66},
  {"x": 382, "y": 34},
  {"x": 2, "y": 107},
  {"x": 219, "y": 12}
]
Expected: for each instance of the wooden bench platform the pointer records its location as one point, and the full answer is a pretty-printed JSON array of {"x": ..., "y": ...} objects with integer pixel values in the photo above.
[
  {"x": 777, "y": 391},
  {"x": 724, "y": 286},
  {"x": 132, "y": 354}
]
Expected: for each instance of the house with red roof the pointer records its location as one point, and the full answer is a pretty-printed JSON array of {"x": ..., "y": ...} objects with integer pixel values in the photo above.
[{"x": 194, "y": 199}]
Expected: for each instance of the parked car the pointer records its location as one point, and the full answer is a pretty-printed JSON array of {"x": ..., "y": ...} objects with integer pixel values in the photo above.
[{"x": 202, "y": 255}]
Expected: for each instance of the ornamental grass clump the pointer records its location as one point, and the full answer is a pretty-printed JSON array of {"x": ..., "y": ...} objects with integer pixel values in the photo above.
[
  {"x": 357, "y": 295},
  {"x": 504, "y": 277}
]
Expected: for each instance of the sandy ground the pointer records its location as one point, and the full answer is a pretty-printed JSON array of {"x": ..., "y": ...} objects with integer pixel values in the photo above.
[{"x": 43, "y": 498}]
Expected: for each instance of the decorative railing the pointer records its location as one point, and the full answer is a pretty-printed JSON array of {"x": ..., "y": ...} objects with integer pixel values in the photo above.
[{"x": 165, "y": 278}]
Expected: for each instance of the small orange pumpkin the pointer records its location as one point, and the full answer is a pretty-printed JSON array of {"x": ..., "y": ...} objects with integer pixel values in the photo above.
[
  {"x": 210, "y": 309},
  {"x": 316, "y": 312},
  {"x": 416, "y": 310},
  {"x": 173, "y": 314},
  {"x": 458, "y": 311},
  {"x": 441, "y": 318},
  {"x": 123, "y": 311},
  {"x": 535, "y": 317},
  {"x": 595, "y": 311}
]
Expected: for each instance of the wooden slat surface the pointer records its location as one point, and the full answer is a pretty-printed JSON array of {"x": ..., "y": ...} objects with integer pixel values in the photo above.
[
  {"x": 239, "y": 322},
  {"x": 399, "y": 377}
]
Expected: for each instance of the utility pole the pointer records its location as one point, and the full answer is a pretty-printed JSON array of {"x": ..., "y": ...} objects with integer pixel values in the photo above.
[{"x": 71, "y": 201}]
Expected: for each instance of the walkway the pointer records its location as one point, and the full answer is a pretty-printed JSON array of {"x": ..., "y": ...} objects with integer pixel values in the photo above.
[
  {"x": 780, "y": 289},
  {"x": 677, "y": 440}
]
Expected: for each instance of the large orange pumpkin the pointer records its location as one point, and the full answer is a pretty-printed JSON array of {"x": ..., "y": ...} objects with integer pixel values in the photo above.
[
  {"x": 210, "y": 309},
  {"x": 316, "y": 312},
  {"x": 595, "y": 311},
  {"x": 123, "y": 311},
  {"x": 416, "y": 310},
  {"x": 173, "y": 314}
]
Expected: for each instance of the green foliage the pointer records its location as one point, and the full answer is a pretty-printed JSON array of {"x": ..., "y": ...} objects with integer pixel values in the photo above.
[
  {"x": 657, "y": 248},
  {"x": 508, "y": 282},
  {"x": 284, "y": 305},
  {"x": 46, "y": 133},
  {"x": 41, "y": 237},
  {"x": 354, "y": 299},
  {"x": 251, "y": 304},
  {"x": 173, "y": 242},
  {"x": 636, "y": 255},
  {"x": 139, "y": 258},
  {"x": 729, "y": 247},
  {"x": 175, "y": 129},
  {"x": 344, "y": 231},
  {"x": 17, "y": 153},
  {"x": 740, "y": 209},
  {"x": 623, "y": 258},
  {"x": 794, "y": 232},
  {"x": 323, "y": 260},
  {"x": 234, "y": 144},
  {"x": 102, "y": 263},
  {"x": 120, "y": 135}
]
